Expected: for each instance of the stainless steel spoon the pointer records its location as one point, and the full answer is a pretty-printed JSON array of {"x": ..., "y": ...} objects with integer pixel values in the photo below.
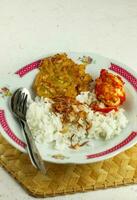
[{"x": 19, "y": 103}]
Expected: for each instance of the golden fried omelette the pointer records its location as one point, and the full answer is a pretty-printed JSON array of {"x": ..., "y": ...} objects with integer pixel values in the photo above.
[{"x": 61, "y": 76}]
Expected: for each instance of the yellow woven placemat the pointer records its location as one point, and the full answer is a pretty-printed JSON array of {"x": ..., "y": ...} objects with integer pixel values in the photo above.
[{"x": 63, "y": 179}]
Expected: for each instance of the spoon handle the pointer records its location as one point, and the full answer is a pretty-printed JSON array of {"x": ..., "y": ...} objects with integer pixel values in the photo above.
[{"x": 32, "y": 149}]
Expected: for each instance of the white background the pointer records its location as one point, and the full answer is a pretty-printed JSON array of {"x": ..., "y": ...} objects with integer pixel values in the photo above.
[{"x": 29, "y": 29}]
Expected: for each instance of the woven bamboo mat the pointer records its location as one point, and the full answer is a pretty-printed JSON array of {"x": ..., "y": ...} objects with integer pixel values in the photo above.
[{"x": 64, "y": 179}]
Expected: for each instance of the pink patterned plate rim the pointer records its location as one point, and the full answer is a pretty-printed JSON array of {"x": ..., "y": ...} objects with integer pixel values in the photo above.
[{"x": 101, "y": 150}]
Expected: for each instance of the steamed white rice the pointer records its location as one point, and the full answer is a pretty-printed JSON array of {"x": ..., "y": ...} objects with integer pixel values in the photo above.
[{"x": 46, "y": 125}]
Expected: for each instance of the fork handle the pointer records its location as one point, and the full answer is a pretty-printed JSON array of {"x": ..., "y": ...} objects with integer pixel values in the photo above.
[{"x": 32, "y": 149}]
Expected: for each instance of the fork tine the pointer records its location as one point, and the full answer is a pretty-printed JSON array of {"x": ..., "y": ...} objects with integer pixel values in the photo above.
[{"x": 13, "y": 100}]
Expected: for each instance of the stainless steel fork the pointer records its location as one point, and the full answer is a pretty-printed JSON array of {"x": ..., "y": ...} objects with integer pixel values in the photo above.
[{"x": 19, "y": 102}]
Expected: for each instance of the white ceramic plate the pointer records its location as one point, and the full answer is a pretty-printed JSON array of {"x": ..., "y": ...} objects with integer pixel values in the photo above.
[{"x": 100, "y": 150}]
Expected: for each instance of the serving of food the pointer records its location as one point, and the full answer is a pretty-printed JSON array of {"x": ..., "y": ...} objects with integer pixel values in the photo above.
[
  {"x": 79, "y": 110},
  {"x": 71, "y": 109}
]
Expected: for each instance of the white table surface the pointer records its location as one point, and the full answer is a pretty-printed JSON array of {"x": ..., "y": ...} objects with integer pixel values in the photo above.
[{"x": 31, "y": 29}]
